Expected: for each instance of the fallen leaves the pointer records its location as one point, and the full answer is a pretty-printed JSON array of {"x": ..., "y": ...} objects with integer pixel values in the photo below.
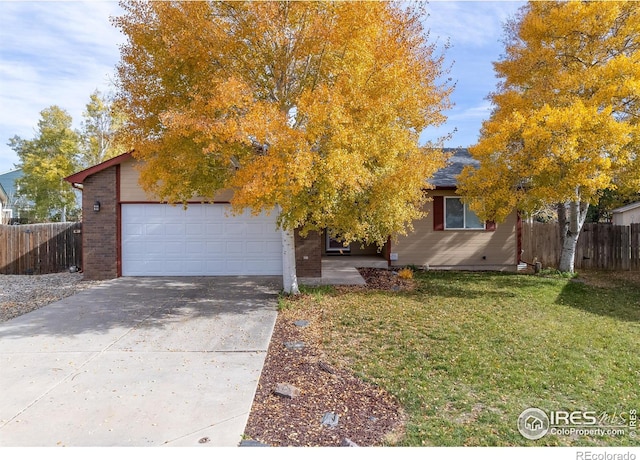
[{"x": 366, "y": 414}]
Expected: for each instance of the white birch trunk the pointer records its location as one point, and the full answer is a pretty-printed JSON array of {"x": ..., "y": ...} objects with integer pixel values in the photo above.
[
  {"x": 570, "y": 227},
  {"x": 568, "y": 254},
  {"x": 289, "y": 278}
]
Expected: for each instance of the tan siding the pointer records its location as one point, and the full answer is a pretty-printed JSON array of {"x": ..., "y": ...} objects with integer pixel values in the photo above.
[
  {"x": 457, "y": 248},
  {"x": 131, "y": 191}
]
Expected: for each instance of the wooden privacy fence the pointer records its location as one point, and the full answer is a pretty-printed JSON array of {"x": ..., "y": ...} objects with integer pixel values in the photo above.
[
  {"x": 40, "y": 248},
  {"x": 600, "y": 246}
]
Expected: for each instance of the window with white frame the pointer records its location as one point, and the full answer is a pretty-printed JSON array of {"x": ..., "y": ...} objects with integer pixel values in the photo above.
[{"x": 457, "y": 216}]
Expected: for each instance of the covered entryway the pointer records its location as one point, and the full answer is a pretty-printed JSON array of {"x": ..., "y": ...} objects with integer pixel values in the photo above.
[{"x": 202, "y": 240}]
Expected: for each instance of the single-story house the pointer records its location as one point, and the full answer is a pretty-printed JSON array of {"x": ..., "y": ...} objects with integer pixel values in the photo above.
[
  {"x": 127, "y": 233},
  {"x": 626, "y": 215}
]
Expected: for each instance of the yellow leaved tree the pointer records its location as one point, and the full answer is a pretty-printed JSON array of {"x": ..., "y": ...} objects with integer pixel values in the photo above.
[
  {"x": 309, "y": 109},
  {"x": 566, "y": 118}
]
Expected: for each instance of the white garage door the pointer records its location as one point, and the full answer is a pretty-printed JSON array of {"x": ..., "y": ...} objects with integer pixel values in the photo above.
[{"x": 160, "y": 239}]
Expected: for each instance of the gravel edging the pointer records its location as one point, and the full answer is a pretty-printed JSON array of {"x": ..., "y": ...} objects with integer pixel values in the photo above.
[{"x": 20, "y": 294}]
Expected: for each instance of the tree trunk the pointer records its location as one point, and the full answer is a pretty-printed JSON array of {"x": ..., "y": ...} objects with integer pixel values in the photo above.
[
  {"x": 571, "y": 217},
  {"x": 289, "y": 277}
]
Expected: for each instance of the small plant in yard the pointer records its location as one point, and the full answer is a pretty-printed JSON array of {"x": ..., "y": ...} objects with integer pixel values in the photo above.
[{"x": 405, "y": 273}]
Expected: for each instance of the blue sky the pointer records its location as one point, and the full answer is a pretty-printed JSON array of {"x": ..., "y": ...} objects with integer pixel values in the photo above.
[{"x": 59, "y": 52}]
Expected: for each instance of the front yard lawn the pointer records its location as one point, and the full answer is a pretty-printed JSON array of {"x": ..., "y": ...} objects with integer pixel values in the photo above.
[{"x": 467, "y": 353}]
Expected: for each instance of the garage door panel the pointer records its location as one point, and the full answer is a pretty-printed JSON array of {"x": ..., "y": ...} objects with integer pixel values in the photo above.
[
  {"x": 163, "y": 240},
  {"x": 195, "y": 229},
  {"x": 214, "y": 229},
  {"x": 273, "y": 247},
  {"x": 234, "y": 230},
  {"x": 174, "y": 229},
  {"x": 175, "y": 248},
  {"x": 234, "y": 266},
  {"x": 214, "y": 248},
  {"x": 154, "y": 229},
  {"x": 134, "y": 229},
  {"x": 234, "y": 248},
  {"x": 254, "y": 247},
  {"x": 155, "y": 211},
  {"x": 193, "y": 248},
  {"x": 216, "y": 212},
  {"x": 153, "y": 257},
  {"x": 133, "y": 250},
  {"x": 193, "y": 266},
  {"x": 215, "y": 266}
]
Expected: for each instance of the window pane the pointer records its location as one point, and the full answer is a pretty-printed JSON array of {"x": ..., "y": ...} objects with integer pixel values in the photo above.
[
  {"x": 471, "y": 220},
  {"x": 454, "y": 213}
]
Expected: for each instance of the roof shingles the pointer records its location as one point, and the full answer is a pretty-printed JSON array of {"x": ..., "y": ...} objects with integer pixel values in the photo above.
[{"x": 447, "y": 177}]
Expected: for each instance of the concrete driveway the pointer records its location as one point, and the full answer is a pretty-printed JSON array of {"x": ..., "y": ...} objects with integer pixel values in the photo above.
[{"x": 137, "y": 362}]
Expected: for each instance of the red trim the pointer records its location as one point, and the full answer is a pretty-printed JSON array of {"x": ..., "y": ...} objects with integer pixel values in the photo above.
[
  {"x": 438, "y": 213},
  {"x": 118, "y": 225},
  {"x": 445, "y": 187},
  {"x": 79, "y": 177},
  {"x": 84, "y": 238}
]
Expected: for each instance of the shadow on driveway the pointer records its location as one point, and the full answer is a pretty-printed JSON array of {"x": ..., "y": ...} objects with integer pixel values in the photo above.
[
  {"x": 137, "y": 362},
  {"x": 147, "y": 303}
]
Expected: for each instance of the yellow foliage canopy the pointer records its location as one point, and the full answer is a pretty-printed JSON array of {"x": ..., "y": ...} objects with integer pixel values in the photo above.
[
  {"x": 566, "y": 122},
  {"x": 315, "y": 107}
]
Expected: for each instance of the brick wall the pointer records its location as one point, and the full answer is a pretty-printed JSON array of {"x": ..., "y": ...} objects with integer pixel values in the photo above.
[
  {"x": 100, "y": 229},
  {"x": 308, "y": 255}
]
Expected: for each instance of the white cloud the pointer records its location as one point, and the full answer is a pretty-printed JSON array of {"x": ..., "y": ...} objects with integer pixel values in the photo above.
[
  {"x": 52, "y": 53},
  {"x": 470, "y": 23}
]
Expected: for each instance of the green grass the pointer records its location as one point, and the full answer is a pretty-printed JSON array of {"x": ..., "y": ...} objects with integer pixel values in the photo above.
[{"x": 466, "y": 353}]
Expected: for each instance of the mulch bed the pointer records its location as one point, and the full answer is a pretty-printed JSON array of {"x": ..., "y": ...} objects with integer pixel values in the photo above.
[
  {"x": 387, "y": 280},
  {"x": 367, "y": 415}
]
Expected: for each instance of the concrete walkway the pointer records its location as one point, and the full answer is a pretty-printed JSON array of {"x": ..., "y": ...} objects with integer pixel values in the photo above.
[
  {"x": 343, "y": 271},
  {"x": 137, "y": 362}
]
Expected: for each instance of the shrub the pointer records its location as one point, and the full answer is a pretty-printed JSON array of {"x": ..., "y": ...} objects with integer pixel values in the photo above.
[{"x": 405, "y": 274}]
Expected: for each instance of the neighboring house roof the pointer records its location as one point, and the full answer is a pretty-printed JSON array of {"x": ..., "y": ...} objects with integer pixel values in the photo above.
[
  {"x": 447, "y": 177},
  {"x": 626, "y": 208},
  {"x": 79, "y": 177},
  {"x": 8, "y": 181}
]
